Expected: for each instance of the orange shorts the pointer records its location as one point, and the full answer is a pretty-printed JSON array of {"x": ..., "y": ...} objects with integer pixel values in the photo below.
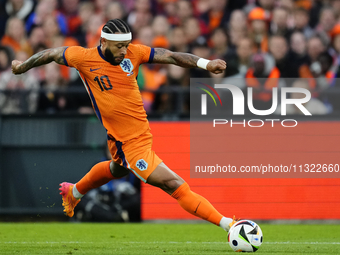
[{"x": 135, "y": 154}]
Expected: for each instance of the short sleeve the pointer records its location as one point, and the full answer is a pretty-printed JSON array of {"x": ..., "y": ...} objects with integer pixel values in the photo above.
[
  {"x": 146, "y": 54},
  {"x": 74, "y": 56}
]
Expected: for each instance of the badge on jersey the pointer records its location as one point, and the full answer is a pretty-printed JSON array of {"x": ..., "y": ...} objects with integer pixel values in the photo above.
[
  {"x": 126, "y": 65},
  {"x": 142, "y": 165}
]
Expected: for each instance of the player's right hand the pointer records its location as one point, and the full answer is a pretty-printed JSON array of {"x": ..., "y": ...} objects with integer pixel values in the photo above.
[
  {"x": 216, "y": 66},
  {"x": 16, "y": 67}
]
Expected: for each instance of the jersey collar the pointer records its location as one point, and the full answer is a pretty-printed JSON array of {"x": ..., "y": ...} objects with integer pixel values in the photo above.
[{"x": 101, "y": 54}]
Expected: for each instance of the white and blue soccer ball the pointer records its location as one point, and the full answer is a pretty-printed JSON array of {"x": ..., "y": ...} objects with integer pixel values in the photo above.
[{"x": 245, "y": 236}]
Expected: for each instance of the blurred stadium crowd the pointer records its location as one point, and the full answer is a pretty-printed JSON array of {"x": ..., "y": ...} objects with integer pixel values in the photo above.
[{"x": 258, "y": 39}]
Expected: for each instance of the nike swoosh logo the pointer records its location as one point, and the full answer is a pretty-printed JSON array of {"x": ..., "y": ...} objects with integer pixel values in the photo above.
[
  {"x": 197, "y": 207},
  {"x": 91, "y": 70}
]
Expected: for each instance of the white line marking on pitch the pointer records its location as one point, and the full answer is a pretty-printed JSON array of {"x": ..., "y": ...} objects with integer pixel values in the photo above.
[
  {"x": 170, "y": 242},
  {"x": 43, "y": 242},
  {"x": 226, "y": 242}
]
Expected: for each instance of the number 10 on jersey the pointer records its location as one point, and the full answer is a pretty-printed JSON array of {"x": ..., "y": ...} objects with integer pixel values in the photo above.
[{"x": 102, "y": 83}]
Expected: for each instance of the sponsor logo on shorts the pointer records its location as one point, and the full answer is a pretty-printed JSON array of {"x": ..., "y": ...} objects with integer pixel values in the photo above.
[{"x": 142, "y": 165}]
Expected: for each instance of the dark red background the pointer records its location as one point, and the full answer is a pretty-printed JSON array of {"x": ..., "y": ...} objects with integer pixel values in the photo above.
[{"x": 254, "y": 198}]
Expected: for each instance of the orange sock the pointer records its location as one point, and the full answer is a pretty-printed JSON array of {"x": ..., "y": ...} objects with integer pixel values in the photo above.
[
  {"x": 196, "y": 204},
  {"x": 98, "y": 176}
]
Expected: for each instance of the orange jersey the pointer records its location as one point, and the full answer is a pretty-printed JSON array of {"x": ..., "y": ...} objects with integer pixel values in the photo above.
[{"x": 113, "y": 90}]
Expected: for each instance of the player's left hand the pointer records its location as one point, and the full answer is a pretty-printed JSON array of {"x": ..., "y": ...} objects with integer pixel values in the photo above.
[{"x": 217, "y": 66}]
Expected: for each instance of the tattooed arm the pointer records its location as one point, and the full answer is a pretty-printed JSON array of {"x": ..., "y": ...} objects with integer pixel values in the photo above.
[
  {"x": 38, "y": 59},
  {"x": 163, "y": 56}
]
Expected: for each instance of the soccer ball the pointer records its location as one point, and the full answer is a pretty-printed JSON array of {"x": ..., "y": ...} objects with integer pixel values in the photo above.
[{"x": 245, "y": 236}]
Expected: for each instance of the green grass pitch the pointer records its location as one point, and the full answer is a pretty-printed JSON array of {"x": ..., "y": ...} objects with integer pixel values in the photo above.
[{"x": 150, "y": 238}]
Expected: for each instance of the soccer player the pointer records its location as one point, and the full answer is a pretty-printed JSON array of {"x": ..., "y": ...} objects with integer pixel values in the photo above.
[{"x": 109, "y": 74}]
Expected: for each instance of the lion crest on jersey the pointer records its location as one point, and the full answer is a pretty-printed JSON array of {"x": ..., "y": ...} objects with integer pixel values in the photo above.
[
  {"x": 142, "y": 165},
  {"x": 126, "y": 65}
]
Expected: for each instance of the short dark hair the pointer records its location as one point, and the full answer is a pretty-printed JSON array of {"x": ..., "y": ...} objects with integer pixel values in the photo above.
[{"x": 116, "y": 25}]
